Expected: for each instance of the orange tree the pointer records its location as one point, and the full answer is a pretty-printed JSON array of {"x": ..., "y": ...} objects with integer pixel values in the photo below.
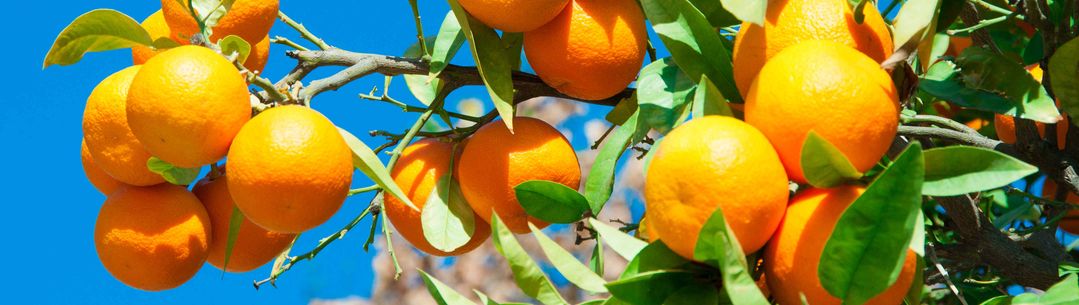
[{"x": 819, "y": 151}]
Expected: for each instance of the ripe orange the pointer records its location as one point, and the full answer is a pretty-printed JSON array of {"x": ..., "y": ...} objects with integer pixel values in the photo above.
[
  {"x": 260, "y": 54},
  {"x": 793, "y": 256},
  {"x": 1070, "y": 222},
  {"x": 788, "y": 22},
  {"x": 495, "y": 161},
  {"x": 514, "y": 15},
  {"x": 186, "y": 105},
  {"x": 156, "y": 26},
  {"x": 418, "y": 172},
  {"x": 249, "y": 19},
  {"x": 289, "y": 169},
  {"x": 592, "y": 50},
  {"x": 152, "y": 238},
  {"x": 254, "y": 245},
  {"x": 956, "y": 45},
  {"x": 98, "y": 178},
  {"x": 711, "y": 163},
  {"x": 831, "y": 89},
  {"x": 109, "y": 139}
]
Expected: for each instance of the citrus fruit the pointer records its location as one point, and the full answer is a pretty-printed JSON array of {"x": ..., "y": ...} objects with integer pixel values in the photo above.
[
  {"x": 418, "y": 172},
  {"x": 260, "y": 54},
  {"x": 956, "y": 45},
  {"x": 831, "y": 89},
  {"x": 186, "y": 104},
  {"x": 98, "y": 178},
  {"x": 592, "y": 50},
  {"x": 495, "y": 161},
  {"x": 289, "y": 169},
  {"x": 156, "y": 26},
  {"x": 514, "y": 15},
  {"x": 711, "y": 163},
  {"x": 152, "y": 238},
  {"x": 788, "y": 22},
  {"x": 109, "y": 138},
  {"x": 647, "y": 231},
  {"x": 249, "y": 19},
  {"x": 792, "y": 257},
  {"x": 1070, "y": 222},
  {"x": 254, "y": 246}
]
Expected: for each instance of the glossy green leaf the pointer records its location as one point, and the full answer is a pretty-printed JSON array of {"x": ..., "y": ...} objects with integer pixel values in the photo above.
[
  {"x": 595, "y": 262},
  {"x": 717, "y": 246},
  {"x": 526, "y": 272},
  {"x": 1065, "y": 292},
  {"x": 551, "y": 201},
  {"x": 449, "y": 40},
  {"x": 235, "y": 221},
  {"x": 573, "y": 270},
  {"x": 958, "y": 170},
  {"x": 443, "y": 294},
  {"x": 211, "y": 11},
  {"x": 447, "y": 219},
  {"x": 513, "y": 46},
  {"x": 623, "y": 110},
  {"x": 695, "y": 295},
  {"x": 484, "y": 299},
  {"x": 707, "y": 100},
  {"x": 865, "y": 253},
  {"x": 164, "y": 43},
  {"x": 715, "y": 13},
  {"x": 991, "y": 72},
  {"x": 599, "y": 184},
  {"x": 913, "y": 22},
  {"x": 652, "y": 287},
  {"x": 917, "y": 237},
  {"x": 364, "y": 159},
  {"x": 914, "y": 293},
  {"x": 858, "y": 7},
  {"x": 751, "y": 11},
  {"x": 495, "y": 67},
  {"x": 663, "y": 92},
  {"x": 234, "y": 44},
  {"x": 823, "y": 164},
  {"x": 594, "y": 302},
  {"x": 96, "y": 31},
  {"x": 423, "y": 87},
  {"x": 942, "y": 81},
  {"x": 1062, "y": 67},
  {"x": 655, "y": 256},
  {"x": 626, "y": 246},
  {"x": 694, "y": 43},
  {"x": 171, "y": 173}
]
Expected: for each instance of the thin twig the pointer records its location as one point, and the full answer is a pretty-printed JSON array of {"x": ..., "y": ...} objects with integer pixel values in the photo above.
[
  {"x": 321, "y": 44},
  {"x": 286, "y": 42}
]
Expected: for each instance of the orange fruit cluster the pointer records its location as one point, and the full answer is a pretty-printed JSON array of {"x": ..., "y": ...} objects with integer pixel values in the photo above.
[{"x": 190, "y": 107}]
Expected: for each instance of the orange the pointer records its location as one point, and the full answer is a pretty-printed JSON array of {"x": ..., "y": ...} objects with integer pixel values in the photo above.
[
  {"x": 98, "y": 178},
  {"x": 289, "y": 169},
  {"x": 109, "y": 139},
  {"x": 1005, "y": 124},
  {"x": 956, "y": 45},
  {"x": 260, "y": 54},
  {"x": 592, "y": 50},
  {"x": 249, "y": 19},
  {"x": 186, "y": 105},
  {"x": 831, "y": 89},
  {"x": 418, "y": 172},
  {"x": 793, "y": 256},
  {"x": 712, "y": 163},
  {"x": 152, "y": 238},
  {"x": 495, "y": 161},
  {"x": 514, "y": 15},
  {"x": 1070, "y": 222},
  {"x": 254, "y": 245},
  {"x": 788, "y": 22},
  {"x": 977, "y": 123},
  {"x": 156, "y": 26}
]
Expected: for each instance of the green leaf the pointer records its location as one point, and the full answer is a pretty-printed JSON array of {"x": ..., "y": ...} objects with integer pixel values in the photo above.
[
  {"x": 595, "y": 262},
  {"x": 233, "y": 43},
  {"x": 865, "y": 253},
  {"x": 859, "y": 9},
  {"x": 709, "y": 101},
  {"x": 551, "y": 201},
  {"x": 655, "y": 256},
  {"x": 491, "y": 60},
  {"x": 623, "y": 244},
  {"x": 449, "y": 40},
  {"x": 914, "y": 293},
  {"x": 1065, "y": 292},
  {"x": 623, "y": 110},
  {"x": 600, "y": 181},
  {"x": 695, "y": 295},
  {"x": 513, "y": 45},
  {"x": 663, "y": 92},
  {"x": 942, "y": 81},
  {"x": 165, "y": 43},
  {"x": 447, "y": 219},
  {"x": 917, "y": 237},
  {"x": 715, "y": 13},
  {"x": 991, "y": 72},
  {"x": 96, "y": 31},
  {"x": 694, "y": 44},
  {"x": 425, "y": 88},
  {"x": 171, "y": 173},
  {"x": 211, "y": 10},
  {"x": 823, "y": 164},
  {"x": 751, "y": 11},
  {"x": 717, "y": 246},
  {"x": 443, "y": 295},
  {"x": 1062, "y": 67},
  {"x": 572, "y": 269},
  {"x": 526, "y": 273},
  {"x": 652, "y": 287},
  {"x": 913, "y": 22},
  {"x": 958, "y": 170},
  {"x": 235, "y": 221},
  {"x": 484, "y": 299},
  {"x": 364, "y": 159}
]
